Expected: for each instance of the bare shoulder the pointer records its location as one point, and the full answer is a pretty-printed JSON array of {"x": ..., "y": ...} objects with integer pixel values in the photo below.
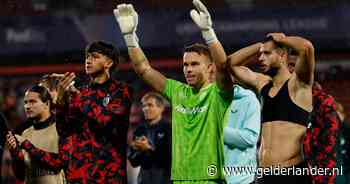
[
  {"x": 298, "y": 84},
  {"x": 262, "y": 80}
]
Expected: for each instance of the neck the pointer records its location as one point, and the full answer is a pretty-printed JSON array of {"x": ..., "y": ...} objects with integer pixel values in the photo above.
[
  {"x": 155, "y": 121},
  {"x": 43, "y": 123},
  {"x": 44, "y": 116},
  {"x": 282, "y": 75},
  {"x": 202, "y": 85},
  {"x": 101, "y": 78}
]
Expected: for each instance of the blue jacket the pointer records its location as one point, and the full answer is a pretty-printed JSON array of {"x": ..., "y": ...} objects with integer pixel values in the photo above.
[{"x": 241, "y": 135}]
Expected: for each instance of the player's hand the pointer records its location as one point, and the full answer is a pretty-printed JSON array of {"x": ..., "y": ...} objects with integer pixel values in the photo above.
[
  {"x": 276, "y": 36},
  {"x": 202, "y": 19},
  {"x": 72, "y": 88},
  {"x": 64, "y": 86},
  {"x": 127, "y": 19},
  {"x": 11, "y": 142},
  {"x": 201, "y": 16},
  {"x": 143, "y": 144}
]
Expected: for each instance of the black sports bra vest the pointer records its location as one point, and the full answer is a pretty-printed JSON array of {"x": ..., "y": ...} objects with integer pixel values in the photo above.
[{"x": 281, "y": 107}]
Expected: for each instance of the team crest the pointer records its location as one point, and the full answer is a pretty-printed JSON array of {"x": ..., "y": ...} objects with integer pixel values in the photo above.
[
  {"x": 106, "y": 100},
  {"x": 160, "y": 135}
]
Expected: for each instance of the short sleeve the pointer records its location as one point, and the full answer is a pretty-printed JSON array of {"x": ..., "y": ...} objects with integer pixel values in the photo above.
[{"x": 171, "y": 88}]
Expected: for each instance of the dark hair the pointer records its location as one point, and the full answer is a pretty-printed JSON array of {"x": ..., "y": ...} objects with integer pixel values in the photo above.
[
  {"x": 44, "y": 94},
  {"x": 50, "y": 82},
  {"x": 158, "y": 98},
  {"x": 277, "y": 44},
  {"x": 200, "y": 49},
  {"x": 106, "y": 49}
]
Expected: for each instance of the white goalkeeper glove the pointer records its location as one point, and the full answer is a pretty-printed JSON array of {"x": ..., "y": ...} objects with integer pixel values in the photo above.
[
  {"x": 202, "y": 18},
  {"x": 127, "y": 19}
]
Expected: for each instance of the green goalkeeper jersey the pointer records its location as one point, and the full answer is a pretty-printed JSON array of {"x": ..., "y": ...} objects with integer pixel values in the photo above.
[{"x": 197, "y": 130}]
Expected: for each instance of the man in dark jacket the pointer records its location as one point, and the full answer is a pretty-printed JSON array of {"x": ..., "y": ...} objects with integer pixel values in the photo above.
[{"x": 151, "y": 145}]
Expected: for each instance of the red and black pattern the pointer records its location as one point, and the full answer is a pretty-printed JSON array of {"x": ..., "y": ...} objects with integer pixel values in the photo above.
[
  {"x": 321, "y": 137},
  {"x": 93, "y": 132}
]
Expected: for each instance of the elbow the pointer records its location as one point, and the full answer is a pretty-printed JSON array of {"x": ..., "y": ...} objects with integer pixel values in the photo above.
[
  {"x": 221, "y": 66},
  {"x": 241, "y": 140},
  {"x": 231, "y": 66},
  {"x": 230, "y": 61},
  {"x": 241, "y": 145},
  {"x": 251, "y": 140},
  {"x": 308, "y": 47}
]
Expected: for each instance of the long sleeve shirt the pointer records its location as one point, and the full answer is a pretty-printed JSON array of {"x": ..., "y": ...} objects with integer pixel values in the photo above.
[
  {"x": 320, "y": 139},
  {"x": 44, "y": 136},
  {"x": 155, "y": 165},
  {"x": 94, "y": 132},
  {"x": 159, "y": 136},
  {"x": 241, "y": 135}
]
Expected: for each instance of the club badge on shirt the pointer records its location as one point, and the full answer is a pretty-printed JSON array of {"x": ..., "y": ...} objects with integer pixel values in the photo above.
[
  {"x": 160, "y": 135},
  {"x": 106, "y": 100}
]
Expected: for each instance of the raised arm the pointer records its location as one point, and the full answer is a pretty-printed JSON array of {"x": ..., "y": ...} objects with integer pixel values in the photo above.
[
  {"x": 240, "y": 57},
  {"x": 63, "y": 113},
  {"x": 305, "y": 66},
  {"x": 236, "y": 62},
  {"x": 202, "y": 19},
  {"x": 127, "y": 19}
]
